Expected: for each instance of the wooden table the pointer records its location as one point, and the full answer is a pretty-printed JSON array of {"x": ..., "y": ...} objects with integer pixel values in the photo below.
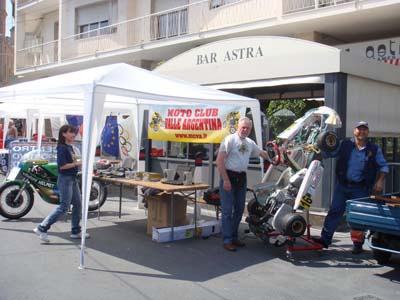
[{"x": 168, "y": 188}]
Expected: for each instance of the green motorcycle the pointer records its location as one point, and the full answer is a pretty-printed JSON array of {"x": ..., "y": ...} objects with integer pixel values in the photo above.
[{"x": 40, "y": 175}]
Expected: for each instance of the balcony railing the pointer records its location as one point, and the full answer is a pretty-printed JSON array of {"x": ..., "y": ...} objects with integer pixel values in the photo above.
[
  {"x": 292, "y": 6},
  {"x": 43, "y": 54},
  {"x": 189, "y": 19},
  {"x": 22, "y": 3},
  {"x": 170, "y": 24}
]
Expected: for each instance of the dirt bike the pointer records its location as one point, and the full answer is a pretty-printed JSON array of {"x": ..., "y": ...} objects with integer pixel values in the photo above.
[
  {"x": 291, "y": 182},
  {"x": 40, "y": 175}
]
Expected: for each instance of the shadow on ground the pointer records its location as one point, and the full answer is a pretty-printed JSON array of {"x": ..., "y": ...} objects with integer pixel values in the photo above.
[
  {"x": 204, "y": 259},
  {"x": 192, "y": 259}
]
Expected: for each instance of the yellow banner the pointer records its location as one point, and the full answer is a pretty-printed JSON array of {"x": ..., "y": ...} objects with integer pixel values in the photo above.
[{"x": 193, "y": 124}]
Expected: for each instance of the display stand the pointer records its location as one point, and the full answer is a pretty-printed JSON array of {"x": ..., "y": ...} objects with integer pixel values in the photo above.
[
  {"x": 310, "y": 244},
  {"x": 158, "y": 185}
]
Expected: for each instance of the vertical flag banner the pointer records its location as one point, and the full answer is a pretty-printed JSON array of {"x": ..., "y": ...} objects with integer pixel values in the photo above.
[
  {"x": 127, "y": 137},
  {"x": 110, "y": 136},
  {"x": 194, "y": 124},
  {"x": 56, "y": 123},
  {"x": 74, "y": 120},
  {"x": 77, "y": 122}
]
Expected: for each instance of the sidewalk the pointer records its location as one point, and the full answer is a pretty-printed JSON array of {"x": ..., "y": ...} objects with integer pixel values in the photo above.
[{"x": 123, "y": 263}]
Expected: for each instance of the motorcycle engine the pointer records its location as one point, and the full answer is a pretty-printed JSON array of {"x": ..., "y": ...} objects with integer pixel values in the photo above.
[
  {"x": 262, "y": 215},
  {"x": 295, "y": 183}
]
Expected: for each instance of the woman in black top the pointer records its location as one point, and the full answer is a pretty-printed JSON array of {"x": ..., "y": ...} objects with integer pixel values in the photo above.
[{"x": 67, "y": 184}]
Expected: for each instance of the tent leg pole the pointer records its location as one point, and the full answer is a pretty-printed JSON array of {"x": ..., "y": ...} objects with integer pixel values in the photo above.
[
  {"x": 172, "y": 216},
  {"x": 120, "y": 200}
]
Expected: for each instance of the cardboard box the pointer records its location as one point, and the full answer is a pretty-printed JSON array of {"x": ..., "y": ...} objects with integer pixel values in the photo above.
[
  {"x": 162, "y": 235},
  {"x": 159, "y": 211}
]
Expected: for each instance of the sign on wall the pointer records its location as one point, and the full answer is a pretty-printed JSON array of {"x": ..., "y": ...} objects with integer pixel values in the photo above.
[
  {"x": 257, "y": 58},
  {"x": 4, "y": 163},
  {"x": 194, "y": 124},
  {"x": 48, "y": 151},
  {"x": 18, "y": 149},
  {"x": 386, "y": 50}
]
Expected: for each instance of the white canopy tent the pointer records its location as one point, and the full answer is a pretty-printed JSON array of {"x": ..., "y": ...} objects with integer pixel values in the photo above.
[{"x": 117, "y": 87}]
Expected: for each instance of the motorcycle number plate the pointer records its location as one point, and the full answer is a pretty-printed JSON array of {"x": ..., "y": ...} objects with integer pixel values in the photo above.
[{"x": 13, "y": 173}]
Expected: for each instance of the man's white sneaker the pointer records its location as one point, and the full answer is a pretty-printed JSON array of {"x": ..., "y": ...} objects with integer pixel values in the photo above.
[
  {"x": 79, "y": 235},
  {"x": 42, "y": 235}
]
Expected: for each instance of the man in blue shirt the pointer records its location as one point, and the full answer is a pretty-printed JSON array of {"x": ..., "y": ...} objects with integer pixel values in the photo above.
[{"x": 360, "y": 170}]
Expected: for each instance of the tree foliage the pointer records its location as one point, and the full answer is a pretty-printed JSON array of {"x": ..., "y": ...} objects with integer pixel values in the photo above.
[{"x": 280, "y": 123}]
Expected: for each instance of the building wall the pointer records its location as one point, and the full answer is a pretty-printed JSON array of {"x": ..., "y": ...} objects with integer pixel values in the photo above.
[
  {"x": 374, "y": 101},
  {"x": 3, "y": 15},
  {"x": 385, "y": 50},
  {"x": 142, "y": 8},
  {"x": 6, "y": 51},
  {"x": 161, "y": 5},
  {"x": 197, "y": 24},
  {"x": 91, "y": 14},
  {"x": 47, "y": 33}
]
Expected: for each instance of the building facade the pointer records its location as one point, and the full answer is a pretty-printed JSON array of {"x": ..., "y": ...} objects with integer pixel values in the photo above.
[
  {"x": 6, "y": 49},
  {"x": 56, "y": 36}
]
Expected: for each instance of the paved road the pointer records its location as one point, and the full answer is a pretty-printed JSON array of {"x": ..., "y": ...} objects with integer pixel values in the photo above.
[{"x": 123, "y": 263}]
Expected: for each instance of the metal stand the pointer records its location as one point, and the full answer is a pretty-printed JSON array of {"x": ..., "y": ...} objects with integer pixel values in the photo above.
[{"x": 311, "y": 245}]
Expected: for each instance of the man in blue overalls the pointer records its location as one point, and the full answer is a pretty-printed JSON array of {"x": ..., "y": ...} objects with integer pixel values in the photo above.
[{"x": 359, "y": 163}]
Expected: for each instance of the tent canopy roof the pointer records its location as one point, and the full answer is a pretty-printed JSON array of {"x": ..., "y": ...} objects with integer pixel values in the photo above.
[
  {"x": 117, "y": 79},
  {"x": 120, "y": 87}
]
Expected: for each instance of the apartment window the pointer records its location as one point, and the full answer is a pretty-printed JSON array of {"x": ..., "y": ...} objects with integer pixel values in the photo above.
[
  {"x": 218, "y": 3},
  {"x": 93, "y": 20},
  {"x": 90, "y": 30}
]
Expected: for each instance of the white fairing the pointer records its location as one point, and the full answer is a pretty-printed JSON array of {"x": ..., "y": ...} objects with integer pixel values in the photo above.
[
  {"x": 297, "y": 178},
  {"x": 324, "y": 115},
  {"x": 310, "y": 183}
]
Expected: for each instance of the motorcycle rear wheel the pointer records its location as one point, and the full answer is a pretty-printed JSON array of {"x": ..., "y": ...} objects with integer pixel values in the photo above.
[
  {"x": 12, "y": 208},
  {"x": 98, "y": 195},
  {"x": 294, "y": 225}
]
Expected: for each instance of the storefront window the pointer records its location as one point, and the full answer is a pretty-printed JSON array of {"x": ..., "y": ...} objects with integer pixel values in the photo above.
[
  {"x": 185, "y": 150},
  {"x": 389, "y": 150}
]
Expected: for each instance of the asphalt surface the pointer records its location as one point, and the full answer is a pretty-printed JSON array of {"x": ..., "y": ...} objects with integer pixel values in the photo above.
[{"x": 121, "y": 262}]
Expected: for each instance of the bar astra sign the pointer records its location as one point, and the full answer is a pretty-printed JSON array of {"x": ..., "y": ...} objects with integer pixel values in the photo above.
[{"x": 229, "y": 55}]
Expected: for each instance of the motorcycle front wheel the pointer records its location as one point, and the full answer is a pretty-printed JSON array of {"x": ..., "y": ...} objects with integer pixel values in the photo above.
[{"x": 11, "y": 206}]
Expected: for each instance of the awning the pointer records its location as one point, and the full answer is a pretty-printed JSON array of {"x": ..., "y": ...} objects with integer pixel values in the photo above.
[{"x": 269, "y": 82}]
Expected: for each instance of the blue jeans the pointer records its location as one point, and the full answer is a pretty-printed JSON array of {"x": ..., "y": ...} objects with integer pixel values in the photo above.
[
  {"x": 232, "y": 207},
  {"x": 70, "y": 193},
  {"x": 338, "y": 207}
]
